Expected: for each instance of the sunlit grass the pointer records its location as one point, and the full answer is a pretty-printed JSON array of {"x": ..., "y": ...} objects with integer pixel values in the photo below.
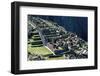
[
  {"x": 41, "y": 50},
  {"x": 56, "y": 58}
]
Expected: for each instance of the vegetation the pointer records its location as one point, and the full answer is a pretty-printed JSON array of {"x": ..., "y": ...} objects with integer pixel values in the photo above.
[
  {"x": 49, "y": 41},
  {"x": 41, "y": 50}
]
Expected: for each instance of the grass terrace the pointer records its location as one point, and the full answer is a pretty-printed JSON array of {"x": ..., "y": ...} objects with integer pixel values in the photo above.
[
  {"x": 56, "y": 58},
  {"x": 39, "y": 50}
]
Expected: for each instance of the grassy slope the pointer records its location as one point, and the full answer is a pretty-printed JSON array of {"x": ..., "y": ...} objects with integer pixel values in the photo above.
[
  {"x": 56, "y": 58},
  {"x": 39, "y": 50}
]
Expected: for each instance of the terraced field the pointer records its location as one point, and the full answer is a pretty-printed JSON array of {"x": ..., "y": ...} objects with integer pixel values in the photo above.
[
  {"x": 41, "y": 50},
  {"x": 35, "y": 45},
  {"x": 56, "y": 58}
]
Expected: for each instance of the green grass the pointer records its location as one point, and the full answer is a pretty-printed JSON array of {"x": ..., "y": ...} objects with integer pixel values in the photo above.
[
  {"x": 37, "y": 45},
  {"x": 37, "y": 38},
  {"x": 41, "y": 50},
  {"x": 56, "y": 58},
  {"x": 36, "y": 35}
]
